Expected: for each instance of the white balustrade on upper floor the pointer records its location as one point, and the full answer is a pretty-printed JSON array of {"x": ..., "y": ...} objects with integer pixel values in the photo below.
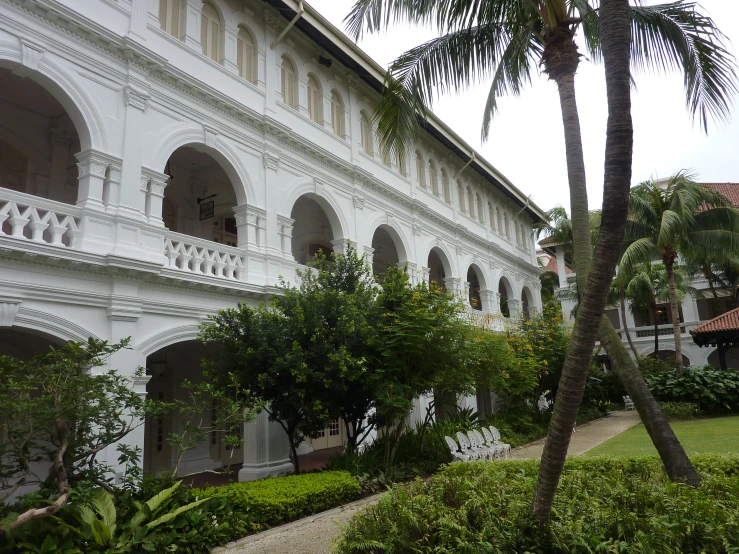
[
  {"x": 30, "y": 218},
  {"x": 204, "y": 257}
]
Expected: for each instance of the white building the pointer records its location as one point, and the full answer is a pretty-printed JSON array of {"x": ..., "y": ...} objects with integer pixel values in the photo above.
[{"x": 162, "y": 159}]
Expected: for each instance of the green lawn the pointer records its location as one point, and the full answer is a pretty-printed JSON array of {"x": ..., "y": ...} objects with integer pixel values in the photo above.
[{"x": 714, "y": 435}]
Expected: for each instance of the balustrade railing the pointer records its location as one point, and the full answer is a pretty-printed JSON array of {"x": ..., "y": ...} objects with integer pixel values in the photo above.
[
  {"x": 203, "y": 257},
  {"x": 30, "y": 218}
]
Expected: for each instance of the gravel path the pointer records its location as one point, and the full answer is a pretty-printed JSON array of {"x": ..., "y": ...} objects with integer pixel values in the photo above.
[{"x": 315, "y": 534}]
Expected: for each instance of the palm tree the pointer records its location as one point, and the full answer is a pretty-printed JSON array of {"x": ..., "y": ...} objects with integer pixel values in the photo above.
[
  {"x": 673, "y": 218},
  {"x": 617, "y": 295},
  {"x": 503, "y": 41}
]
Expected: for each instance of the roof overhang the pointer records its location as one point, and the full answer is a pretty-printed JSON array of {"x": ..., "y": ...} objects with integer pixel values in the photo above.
[{"x": 344, "y": 50}]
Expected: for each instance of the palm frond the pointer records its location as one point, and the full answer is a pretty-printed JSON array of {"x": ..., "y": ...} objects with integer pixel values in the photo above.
[
  {"x": 643, "y": 250},
  {"x": 676, "y": 36}
]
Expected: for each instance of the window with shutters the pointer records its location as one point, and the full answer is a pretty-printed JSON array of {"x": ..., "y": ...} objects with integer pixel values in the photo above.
[
  {"x": 470, "y": 203},
  {"x": 402, "y": 165},
  {"x": 445, "y": 186},
  {"x": 171, "y": 13},
  {"x": 420, "y": 170},
  {"x": 507, "y": 226},
  {"x": 246, "y": 56},
  {"x": 433, "y": 178},
  {"x": 499, "y": 219},
  {"x": 460, "y": 198},
  {"x": 288, "y": 84},
  {"x": 210, "y": 32},
  {"x": 365, "y": 128},
  {"x": 314, "y": 99},
  {"x": 337, "y": 114},
  {"x": 491, "y": 216},
  {"x": 480, "y": 212}
]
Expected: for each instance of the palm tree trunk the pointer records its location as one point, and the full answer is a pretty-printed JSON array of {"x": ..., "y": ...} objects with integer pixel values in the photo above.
[
  {"x": 675, "y": 309},
  {"x": 615, "y": 30},
  {"x": 677, "y": 464},
  {"x": 656, "y": 330},
  {"x": 622, "y": 295}
]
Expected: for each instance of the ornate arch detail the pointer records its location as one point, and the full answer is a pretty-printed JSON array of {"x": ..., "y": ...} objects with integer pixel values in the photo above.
[
  {"x": 51, "y": 325},
  {"x": 381, "y": 219},
  {"x": 168, "y": 337},
  {"x": 504, "y": 277},
  {"x": 479, "y": 268},
  {"x": 449, "y": 259},
  {"x": 316, "y": 190}
]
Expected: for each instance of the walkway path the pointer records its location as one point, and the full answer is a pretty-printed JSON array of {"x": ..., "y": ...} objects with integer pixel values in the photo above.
[{"x": 314, "y": 535}]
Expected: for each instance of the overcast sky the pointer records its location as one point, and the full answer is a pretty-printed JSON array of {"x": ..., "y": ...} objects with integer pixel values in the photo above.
[{"x": 527, "y": 143}]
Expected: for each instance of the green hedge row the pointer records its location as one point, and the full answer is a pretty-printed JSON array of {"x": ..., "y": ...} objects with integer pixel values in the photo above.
[
  {"x": 280, "y": 499},
  {"x": 614, "y": 505}
]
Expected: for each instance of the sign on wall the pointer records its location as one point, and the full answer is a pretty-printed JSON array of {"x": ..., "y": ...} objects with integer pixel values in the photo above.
[{"x": 207, "y": 209}]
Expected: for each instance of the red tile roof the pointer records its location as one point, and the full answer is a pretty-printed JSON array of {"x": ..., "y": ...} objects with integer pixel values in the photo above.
[
  {"x": 721, "y": 324},
  {"x": 729, "y": 190},
  {"x": 548, "y": 240},
  {"x": 552, "y": 266}
]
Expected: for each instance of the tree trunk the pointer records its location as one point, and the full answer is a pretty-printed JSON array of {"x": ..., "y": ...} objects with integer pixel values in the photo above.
[
  {"x": 296, "y": 462},
  {"x": 656, "y": 331},
  {"x": 622, "y": 295},
  {"x": 676, "y": 461},
  {"x": 669, "y": 262},
  {"x": 615, "y": 31}
]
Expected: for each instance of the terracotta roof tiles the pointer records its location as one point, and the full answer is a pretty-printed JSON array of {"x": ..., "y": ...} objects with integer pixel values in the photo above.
[
  {"x": 723, "y": 323},
  {"x": 729, "y": 190}
]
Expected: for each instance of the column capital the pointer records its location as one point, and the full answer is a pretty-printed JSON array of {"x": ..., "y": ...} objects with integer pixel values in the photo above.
[
  {"x": 271, "y": 161},
  {"x": 340, "y": 245}
]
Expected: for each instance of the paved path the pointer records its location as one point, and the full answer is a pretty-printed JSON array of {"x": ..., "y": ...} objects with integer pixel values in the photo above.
[{"x": 315, "y": 534}]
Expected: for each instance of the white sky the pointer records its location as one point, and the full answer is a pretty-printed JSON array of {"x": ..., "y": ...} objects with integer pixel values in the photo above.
[{"x": 527, "y": 142}]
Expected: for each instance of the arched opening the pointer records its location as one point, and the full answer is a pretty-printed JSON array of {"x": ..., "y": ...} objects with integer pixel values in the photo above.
[
  {"x": 420, "y": 171},
  {"x": 439, "y": 268},
  {"x": 315, "y": 100},
  {"x": 475, "y": 286},
  {"x": 445, "y": 186},
  {"x": 168, "y": 368},
  {"x": 210, "y": 32},
  {"x": 337, "y": 114},
  {"x": 505, "y": 292},
  {"x": 246, "y": 55},
  {"x": 288, "y": 84},
  {"x": 433, "y": 178},
  {"x": 387, "y": 251},
  {"x": 366, "y": 135},
  {"x": 470, "y": 203},
  {"x": 460, "y": 197},
  {"x": 527, "y": 303},
  {"x": 313, "y": 230},
  {"x": 38, "y": 140},
  {"x": 24, "y": 344},
  {"x": 172, "y": 17},
  {"x": 198, "y": 179}
]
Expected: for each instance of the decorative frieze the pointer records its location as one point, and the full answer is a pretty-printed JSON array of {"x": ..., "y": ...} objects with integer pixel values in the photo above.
[
  {"x": 136, "y": 99},
  {"x": 271, "y": 161}
]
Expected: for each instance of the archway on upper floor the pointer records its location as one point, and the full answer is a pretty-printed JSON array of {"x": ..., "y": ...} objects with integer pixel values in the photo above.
[
  {"x": 168, "y": 368},
  {"x": 388, "y": 250},
  {"x": 505, "y": 292},
  {"x": 439, "y": 267},
  {"x": 316, "y": 227},
  {"x": 201, "y": 195},
  {"x": 41, "y": 131},
  {"x": 527, "y": 303},
  {"x": 476, "y": 281}
]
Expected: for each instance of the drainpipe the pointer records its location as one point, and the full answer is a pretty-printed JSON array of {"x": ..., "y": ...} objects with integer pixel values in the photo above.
[
  {"x": 301, "y": 10},
  {"x": 472, "y": 159}
]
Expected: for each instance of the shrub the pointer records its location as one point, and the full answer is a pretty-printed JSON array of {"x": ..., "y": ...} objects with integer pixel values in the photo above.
[
  {"x": 602, "y": 505},
  {"x": 713, "y": 390},
  {"x": 680, "y": 409},
  {"x": 280, "y": 499}
]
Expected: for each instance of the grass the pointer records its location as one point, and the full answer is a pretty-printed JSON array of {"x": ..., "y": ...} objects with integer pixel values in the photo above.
[{"x": 701, "y": 436}]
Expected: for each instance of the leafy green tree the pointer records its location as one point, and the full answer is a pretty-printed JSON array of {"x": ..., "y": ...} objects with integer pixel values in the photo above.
[
  {"x": 678, "y": 218},
  {"x": 59, "y": 411}
]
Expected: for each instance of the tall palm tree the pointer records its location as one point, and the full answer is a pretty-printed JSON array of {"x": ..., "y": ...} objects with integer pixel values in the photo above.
[
  {"x": 617, "y": 295},
  {"x": 674, "y": 218},
  {"x": 504, "y": 40}
]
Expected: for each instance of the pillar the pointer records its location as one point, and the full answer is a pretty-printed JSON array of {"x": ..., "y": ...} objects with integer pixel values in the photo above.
[
  {"x": 131, "y": 202},
  {"x": 137, "y": 23},
  {"x": 489, "y": 301},
  {"x": 194, "y": 9},
  {"x": 266, "y": 449},
  {"x": 369, "y": 254},
  {"x": 561, "y": 266},
  {"x": 285, "y": 229},
  {"x": 426, "y": 273},
  {"x": 152, "y": 184},
  {"x": 340, "y": 245},
  {"x": 514, "y": 307},
  {"x": 92, "y": 166}
]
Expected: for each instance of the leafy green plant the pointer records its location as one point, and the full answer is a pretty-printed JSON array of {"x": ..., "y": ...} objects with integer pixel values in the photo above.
[
  {"x": 713, "y": 390},
  {"x": 680, "y": 409}
]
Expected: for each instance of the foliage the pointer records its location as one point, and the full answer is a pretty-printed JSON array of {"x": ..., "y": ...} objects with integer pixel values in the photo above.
[
  {"x": 682, "y": 410},
  {"x": 603, "y": 386},
  {"x": 713, "y": 390},
  {"x": 218, "y": 398},
  {"x": 653, "y": 365},
  {"x": 603, "y": 505},
  {"x": 280, "y": 499},
  {"x": 59, "y": 411}
]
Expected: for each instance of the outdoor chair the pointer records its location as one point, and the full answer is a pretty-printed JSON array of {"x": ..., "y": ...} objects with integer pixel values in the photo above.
[
  {"x": 496, "y": 438},
  {"x": 499, "y": 449},
  {"x": 467, "y": 447},
  {"x": 456, "y": 452},
  {"x": 493, "y": 450},
  {"x": 478, "y": 444},
  {"x": 628, "y": 403}
]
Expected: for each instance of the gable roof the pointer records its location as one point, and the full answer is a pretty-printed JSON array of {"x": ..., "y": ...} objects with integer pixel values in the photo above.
[
  {"x": 729, "y": 190},
  {"x": 725, "y": 325},
  {"x": 341, "y": 47}
]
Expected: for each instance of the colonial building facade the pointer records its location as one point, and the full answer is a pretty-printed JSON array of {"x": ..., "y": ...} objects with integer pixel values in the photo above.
[{"x": 163, "y": 159}]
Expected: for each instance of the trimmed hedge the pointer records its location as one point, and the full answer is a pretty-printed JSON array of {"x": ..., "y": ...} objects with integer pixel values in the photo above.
[
  {"x": 684, "y": 410},
  {"x": 714, "y": 390},
  {"x": 280, "y": 499},
  {"x": 602, "y": 505}
]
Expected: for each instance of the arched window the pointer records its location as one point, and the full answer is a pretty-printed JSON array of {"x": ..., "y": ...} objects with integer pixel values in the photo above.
[
  {"x": 480, "y": 213},
  {"x": 246, "y": 56},
  {"x": 460, "y": 198},
  {"x": 445, "y": 186},
  {"x": 365, "y": 128},
  {"x": 337, "y": 114},
  {"x": 386, "y": 157},
  {"x": 288, "y": 85},
  {"x": 420, "y": 170},
  {"x": 314, "y": 99},
  {"x": 507, "y": 226},
  {"x": 402, "y": 165},
  {"x": 518, "y": 233},
  {"x": 470, "y": 203},
  {"x": 210, "y": 32},
  {"x": 491, "y": 215},
  {"x": 433, "y": 178},
  {"x": 171, "y": 13},
  {"x": 499, "y": 218}
]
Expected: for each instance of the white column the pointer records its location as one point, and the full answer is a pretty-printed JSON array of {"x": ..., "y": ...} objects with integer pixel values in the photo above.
[
  {"x": 285, "y": 228},
  {"x": 340, "y": 245},
  {"x": 561, "y": 266},
  {"x": 271, "y": 240},
  {"x": 489, "y": 301},
  {"x": 153, "y": 183},
  {"x": 137, "y": 23},
  {"x": 131, "y": 201},
  {"x": 514, "y": 307},
  {"x": 426, "y": 272},
  {"x": 194, "y": 10},
  {"x": 266, "y": 450},
  {"x": 369, "y": 254},
  {"x": 92, "y": 167}
]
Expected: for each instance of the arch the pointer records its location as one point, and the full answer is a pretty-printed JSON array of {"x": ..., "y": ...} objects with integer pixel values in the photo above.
[
  {"x": 365, "y": 133},
  {"x": 400, "y": 242},
  {"x": 491, "y": 215},
  {"x": 53, "y": 325},
  {"x": 211, "y": 25},
  {"x": 288, "y": 83},
  {"x": 445, "y": 187},
  {"x": 246, "y": 54},
  {"x": 460, "y": 197},
  {"x": 194, "y": 136},
  {"x": 666, "y": 354},
  {"x": 438, "y": 255},
  {"x": 338, "y": 113},
  {"x": 315, "y": 99},
  {"x": 172, "y": 17},
  {"x": 505, "y": 292},
  {"x": 80, "y": 105},
  {"x": 306, "y": 186},
  {"x": 168, "y": 337},
  {"x": 480, "y": 211},
  {"x": 528, "y": 304},
  {"x": 470, "y": 202},
  {"x": 433, "y": 178},
  {"x": 402, "y": 163},
  {"x": 420, "y": 170},
  {"x": 477, "y": 283}
]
